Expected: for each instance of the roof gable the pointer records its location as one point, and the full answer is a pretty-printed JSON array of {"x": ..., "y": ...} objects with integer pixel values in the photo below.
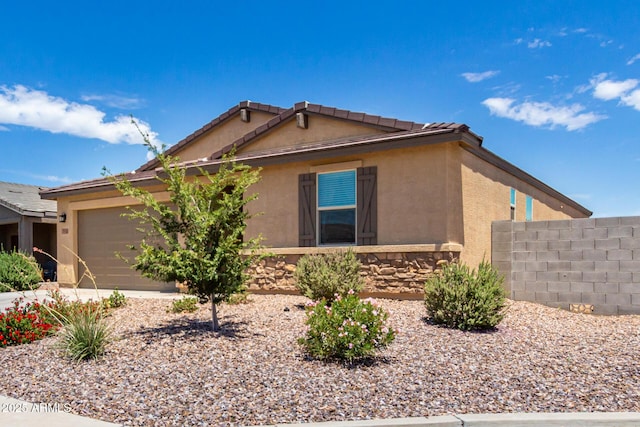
[
  {"x": 25, "y": 200},
  {"x": 376, "y": 124},
  {"x": 186, "y": 145}
]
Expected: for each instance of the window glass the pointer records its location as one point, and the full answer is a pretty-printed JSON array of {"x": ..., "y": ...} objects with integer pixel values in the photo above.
[
  {"x": 337, "y": 208},
  {"x": 337, "y": 226},
  {"x": 529, "y": 209},
  {"x": 513, "y": 204}
]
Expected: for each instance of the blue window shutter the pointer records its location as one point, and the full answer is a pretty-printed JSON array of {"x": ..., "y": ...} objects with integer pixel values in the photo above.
[{"x": 337, "y": 189}]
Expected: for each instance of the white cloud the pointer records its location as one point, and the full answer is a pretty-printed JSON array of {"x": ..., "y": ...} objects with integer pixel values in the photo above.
[
  {"x": 610, "y": 89},
  {"x": 53, "y": 178},
  {"x": 542, "y": 113},
  {"x": 632, "y": 99},
  {"x": 633, "y": 59},
  {"x": 554, "y": 78},
  {"x": 580, "y": 30},
  {"x": 4, "y": 129},
  {"x": 625, "y": 90},
  {"x": 507, "y": 89},
  {"x": 478, "y": 77},
  {"x": 115, "y": 101},
  {"x": 49, "y": 178},
  {"x": 538, "y": 43},
  {"x": 23, "y": 106}
]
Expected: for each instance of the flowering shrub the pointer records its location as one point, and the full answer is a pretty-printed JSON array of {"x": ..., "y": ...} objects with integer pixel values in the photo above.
[
  {"x": 25, "y": 323},
  {"x": 349, "y": 328}
]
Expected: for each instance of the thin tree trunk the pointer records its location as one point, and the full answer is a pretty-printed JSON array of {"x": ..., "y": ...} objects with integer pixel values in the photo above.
[{"x": 215, "y": 326}]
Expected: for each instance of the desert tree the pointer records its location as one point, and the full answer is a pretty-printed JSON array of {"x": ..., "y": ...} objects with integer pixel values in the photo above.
[{"x": 197, "y": 237}]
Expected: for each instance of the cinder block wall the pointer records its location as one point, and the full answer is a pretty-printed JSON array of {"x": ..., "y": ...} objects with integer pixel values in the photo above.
[{"x": 580, "y": 261}]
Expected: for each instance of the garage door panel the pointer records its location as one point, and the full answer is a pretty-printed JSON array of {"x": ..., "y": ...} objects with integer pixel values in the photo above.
[{"x": 102, "y": 233}]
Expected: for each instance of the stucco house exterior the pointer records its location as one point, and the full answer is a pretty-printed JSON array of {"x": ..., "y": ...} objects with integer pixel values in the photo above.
[
  {"x": 405, "y": 196},
  {"x": 26, "y": 220}
]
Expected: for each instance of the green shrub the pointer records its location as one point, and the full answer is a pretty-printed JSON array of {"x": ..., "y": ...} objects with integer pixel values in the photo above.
[
  {"x": 349, "y": 329},
  {"x": 465, "y": 299},
  {"x": 18, "y": 272},
  {"x": 85, "y": 333},
  {"x": 324, "y": 276},
  {"x": 115, "y": 300},
  {"x": 241, "y": 297},
  {"x": 186, "y": 304}
]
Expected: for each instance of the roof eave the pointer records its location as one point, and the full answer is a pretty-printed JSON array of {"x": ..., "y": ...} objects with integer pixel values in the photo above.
[
  {"x": 510, "y": 168},
  {"x": 316, "y": 152},
  {"x": 97, "y": 187}
]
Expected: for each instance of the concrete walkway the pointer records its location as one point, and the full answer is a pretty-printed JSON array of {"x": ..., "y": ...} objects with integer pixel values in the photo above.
[
  {"x": 576, "y": 419},
  {"x": 18, "y": 413},
  {"x": 7, "y": 298},
  {"x": 14, "y": 412}
]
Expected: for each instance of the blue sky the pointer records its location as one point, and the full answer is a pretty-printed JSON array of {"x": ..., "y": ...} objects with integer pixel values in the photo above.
[{"x": 552, "y": 86}]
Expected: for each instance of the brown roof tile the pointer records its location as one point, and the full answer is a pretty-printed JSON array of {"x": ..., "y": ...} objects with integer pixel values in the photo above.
[
  {"x": 255, "y": 106},
  {"x": 385, "y": 123}
]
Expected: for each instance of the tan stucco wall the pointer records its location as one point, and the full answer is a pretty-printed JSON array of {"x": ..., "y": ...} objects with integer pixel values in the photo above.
[
  {"x": 319, "y": 129},
  {"x": 67, "y": 232},
  {"x": 415, "y": 198},
  {"x": 487, "y": 198},
  {"x": 221, "y": 136}
]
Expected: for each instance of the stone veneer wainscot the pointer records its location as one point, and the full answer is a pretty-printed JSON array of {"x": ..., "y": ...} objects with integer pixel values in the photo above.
[{"x": 388, "y": 270}]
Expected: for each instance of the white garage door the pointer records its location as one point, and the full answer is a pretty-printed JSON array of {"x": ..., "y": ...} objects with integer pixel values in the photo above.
[{"x": 101, "y": 234}]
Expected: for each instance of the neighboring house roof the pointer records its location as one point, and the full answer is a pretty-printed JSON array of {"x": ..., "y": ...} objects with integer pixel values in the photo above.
[
  {"x": 25, "y": 200},
  {"x": 394, "y": 134}
]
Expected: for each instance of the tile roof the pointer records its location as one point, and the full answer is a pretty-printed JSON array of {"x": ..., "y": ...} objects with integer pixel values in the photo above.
[
  {"x": 25, "y": 200},
  {"x": 367, "y": 143},
  {"x": 249, "y": 105},
  {"x": 385, "y": 124},
  {"x": 91, "y": 185},
  {"x": 281, "y": 115}
]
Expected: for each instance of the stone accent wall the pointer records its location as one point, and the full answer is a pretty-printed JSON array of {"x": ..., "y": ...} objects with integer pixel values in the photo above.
[
  {"x": 386, "y": 273},
  {"x": 592, "y": 264}
]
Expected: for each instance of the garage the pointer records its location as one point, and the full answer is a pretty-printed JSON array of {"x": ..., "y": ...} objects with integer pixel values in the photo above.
[{"x": 103, "y": 233}]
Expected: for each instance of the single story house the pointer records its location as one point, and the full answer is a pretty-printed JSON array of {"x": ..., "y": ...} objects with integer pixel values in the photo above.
[
  {"x": 405, "y": 196},
  {"x": 27, "y": 220}
]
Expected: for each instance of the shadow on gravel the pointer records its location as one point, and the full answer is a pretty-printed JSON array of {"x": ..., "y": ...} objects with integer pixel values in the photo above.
[
  {"x": 195, "y": 329},
  {"x": 356, "y": 364},
  {"x": 430, "y": 322}
]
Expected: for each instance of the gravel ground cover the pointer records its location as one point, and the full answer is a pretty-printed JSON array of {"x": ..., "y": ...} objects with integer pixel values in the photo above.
[{"x": 169, "y": 369}]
